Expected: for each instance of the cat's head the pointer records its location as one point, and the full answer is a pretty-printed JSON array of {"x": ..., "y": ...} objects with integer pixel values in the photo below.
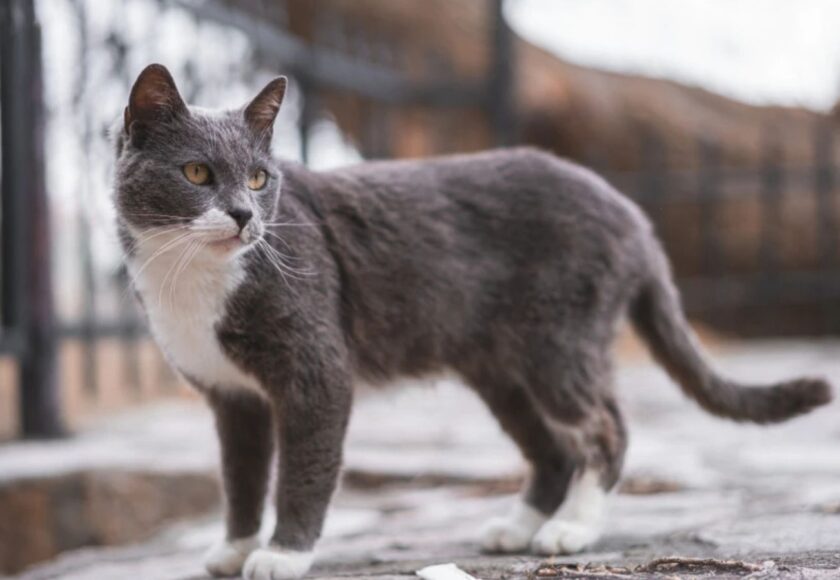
[{"x": 189, "y": 174}]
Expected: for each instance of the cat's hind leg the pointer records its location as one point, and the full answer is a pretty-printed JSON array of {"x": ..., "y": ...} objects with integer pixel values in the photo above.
[
  {"x": 246, "y": 438},
  {"x": 552, "y": 457},
  {"x": 570, "y": 384},
  {"x": 578, "y": 523}
]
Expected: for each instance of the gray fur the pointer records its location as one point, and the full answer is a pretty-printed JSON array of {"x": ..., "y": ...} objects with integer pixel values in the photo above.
[{"x": 511, "y": 268}]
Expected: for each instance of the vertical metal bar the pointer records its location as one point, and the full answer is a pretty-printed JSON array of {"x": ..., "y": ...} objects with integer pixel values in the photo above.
[
  {"x": 824, "y": 183},
  {"x": 14, "y": 295},
  {"x": 367, "y": 143},
  {"x": 771, "y": 192},
  {"x": 654, "y": 177},
  {"x": 89, "y": 290},
  {"x": 379, "y": 130},
  {"x": 28, "y": 241},
  {"x": 501, "y": 83},
  {"x": 709, "y": 187},
  {"x": 307, "y": 116},
  {"x": 826, "y": 218}
]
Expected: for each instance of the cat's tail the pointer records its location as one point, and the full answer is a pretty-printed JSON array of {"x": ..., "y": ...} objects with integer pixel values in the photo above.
[{"x": 658, "y": 317}]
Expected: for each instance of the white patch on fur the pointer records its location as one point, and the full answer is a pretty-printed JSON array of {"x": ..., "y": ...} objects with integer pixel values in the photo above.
[
  {"x": 228, "y": 556},
  {"x": 513, "y": 532},
  {"x": 185, "y": 302},
  {"x": 276, "y": 563},
  {"x": 577, "y": 525}
]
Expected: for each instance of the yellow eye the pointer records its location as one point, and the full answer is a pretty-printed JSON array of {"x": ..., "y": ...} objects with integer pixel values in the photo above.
[
  {"x": 258, "y": 179},
  {"x": 197, "y": 173}
]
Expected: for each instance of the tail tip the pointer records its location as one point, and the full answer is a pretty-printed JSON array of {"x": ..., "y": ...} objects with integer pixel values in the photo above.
[{"x": 810, "y": 393}]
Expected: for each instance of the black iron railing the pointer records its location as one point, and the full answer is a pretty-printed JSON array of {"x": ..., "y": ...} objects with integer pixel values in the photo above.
[
  {"x": 29, "y": 330},
  {"x": 27, "y": 327},
  {"x": 750, "y": 290}
]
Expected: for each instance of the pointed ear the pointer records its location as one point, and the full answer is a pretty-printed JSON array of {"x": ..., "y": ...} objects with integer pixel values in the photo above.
[
  {"x": 261, "y": 112},
  {"x": 154, "y": 97}
]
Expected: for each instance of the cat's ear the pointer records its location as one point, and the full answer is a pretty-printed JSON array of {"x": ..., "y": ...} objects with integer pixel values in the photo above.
[
  {"x": 261, "y": 112},
  {"x": 154, "y": 98}
]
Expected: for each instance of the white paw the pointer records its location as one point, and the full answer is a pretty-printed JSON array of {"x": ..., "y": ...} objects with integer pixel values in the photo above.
[
  {"x": 563, "y": 537},
  {"x": 228, "y": 556},
  {"x": 276, "y": 563},
  {"x": 513, "y": 532},
  {"x": 505, "y": 535}
]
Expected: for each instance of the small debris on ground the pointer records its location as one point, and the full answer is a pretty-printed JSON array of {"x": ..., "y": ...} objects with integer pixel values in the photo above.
[
  {"x": 583, "y": 571},
  {"x": 699, "y": 566},
  {"x": 444, "y": 572},
  {"x": 668, "y": 567}
]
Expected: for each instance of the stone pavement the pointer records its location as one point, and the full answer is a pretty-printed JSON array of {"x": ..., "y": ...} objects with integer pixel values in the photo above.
[{"x": 426, "y": 466}]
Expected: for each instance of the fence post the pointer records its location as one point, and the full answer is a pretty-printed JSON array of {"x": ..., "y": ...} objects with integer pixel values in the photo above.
[
  {"x": 826, "y": 218},
  {"x": 824, "y": 186},
  {"x": 772, "y": 187},
  {"x": 709, "y": 185},
  {"x": 27, "y": 297},
  {"x": 502, "y": 82},
  {"x": 87, "y": 336},
  {"x": 654, "y": 186},
  {"x": 307, "y": 116}
]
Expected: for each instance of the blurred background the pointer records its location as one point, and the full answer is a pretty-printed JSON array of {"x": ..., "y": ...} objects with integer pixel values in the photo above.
[{"x": 719, "y": 118}]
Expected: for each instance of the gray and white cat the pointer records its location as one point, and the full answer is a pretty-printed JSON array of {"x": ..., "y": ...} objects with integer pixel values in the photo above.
[{"x": 273, "y": 289}]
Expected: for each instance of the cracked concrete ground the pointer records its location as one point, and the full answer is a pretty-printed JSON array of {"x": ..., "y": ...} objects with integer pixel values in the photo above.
[{"x": 426, "y": 466}]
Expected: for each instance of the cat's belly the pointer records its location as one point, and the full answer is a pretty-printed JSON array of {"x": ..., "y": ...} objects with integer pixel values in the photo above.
[{"x": 183, "y": 317}]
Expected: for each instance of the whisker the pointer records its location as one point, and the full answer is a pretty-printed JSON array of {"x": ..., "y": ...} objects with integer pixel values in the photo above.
[
  {"x": 206, "y": 229},
  {"x": 159, "y": 252},
  {"x": 190, "y": 254},
  {"x": 281, "y": 239},
  {"x": 276, "y": 259},
  {"x": 149, "y": 214},
  {"x": 188, "y": 243},
  {"x": 283, "y": 269},
  {"x": 153, "y": 233},
  {"x": 280, "y": 257},
  {"x": 285, "y": 243},
  {"x": 262, "y": 244},
  {"x": 291, "y": 224},
  {"x": 179, "y": 266}
]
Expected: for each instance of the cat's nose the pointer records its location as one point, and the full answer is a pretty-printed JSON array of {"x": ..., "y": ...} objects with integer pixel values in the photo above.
[{"x": 241, "y": 215}]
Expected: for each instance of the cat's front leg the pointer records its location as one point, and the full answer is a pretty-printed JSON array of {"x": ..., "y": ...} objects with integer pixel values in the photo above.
[
  {"x": 246, "y": 438},
  {"x": 311, "y": 422}
]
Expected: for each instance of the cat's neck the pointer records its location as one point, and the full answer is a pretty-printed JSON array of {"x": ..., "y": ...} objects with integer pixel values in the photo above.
[
  {"x": 185, "y": 294},
  {"x": 169, "y": 278}
]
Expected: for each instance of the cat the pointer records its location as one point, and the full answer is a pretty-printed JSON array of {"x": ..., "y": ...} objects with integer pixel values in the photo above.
[{"x": 272, "y": 289}]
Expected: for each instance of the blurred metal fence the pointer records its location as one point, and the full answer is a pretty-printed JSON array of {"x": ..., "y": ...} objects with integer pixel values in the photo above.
[
  {"x": 29, "y": 329},
  {"x": 725, "y": 279},
  {"x": 755, "y": 249}
]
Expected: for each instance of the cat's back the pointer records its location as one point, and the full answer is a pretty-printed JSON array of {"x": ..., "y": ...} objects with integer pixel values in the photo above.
[
  {"x": 514, "y": 175},
  {"x": 505, "y": 189}
]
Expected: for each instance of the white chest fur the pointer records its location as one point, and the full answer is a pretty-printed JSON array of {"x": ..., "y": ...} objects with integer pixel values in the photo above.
[{"x": 183, "y": 305}]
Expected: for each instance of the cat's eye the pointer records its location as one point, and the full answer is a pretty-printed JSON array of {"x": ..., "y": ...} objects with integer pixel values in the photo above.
[
  {"x": 258, "y": 179},
  {"x": 197, "y": 173}
]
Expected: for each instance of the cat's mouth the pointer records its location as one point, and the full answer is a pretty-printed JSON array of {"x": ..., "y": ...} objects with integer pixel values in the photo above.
[{"x": 227, "y": 244}]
